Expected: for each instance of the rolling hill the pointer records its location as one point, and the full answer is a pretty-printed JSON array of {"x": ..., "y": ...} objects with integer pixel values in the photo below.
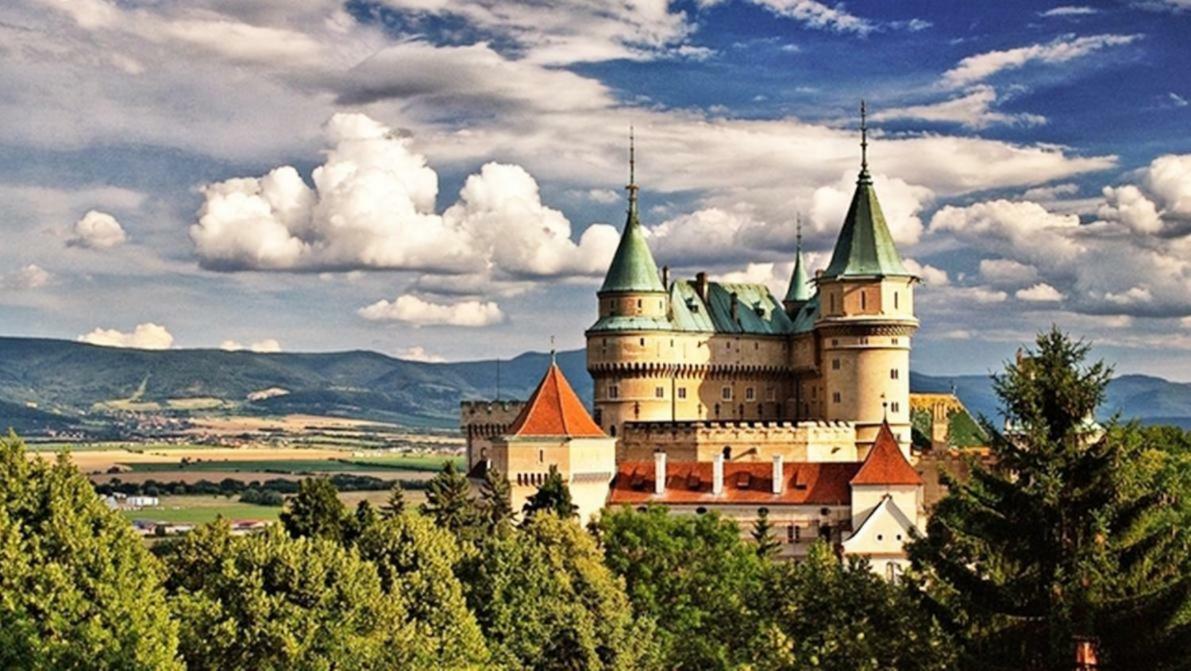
[{"x": 54, "y": 383}]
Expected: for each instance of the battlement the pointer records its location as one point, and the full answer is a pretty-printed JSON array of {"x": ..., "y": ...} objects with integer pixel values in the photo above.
[{"x": 740, "y": 440}]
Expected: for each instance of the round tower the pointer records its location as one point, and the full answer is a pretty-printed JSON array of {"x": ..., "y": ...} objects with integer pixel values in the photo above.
[{"x": 866, "y": 320}]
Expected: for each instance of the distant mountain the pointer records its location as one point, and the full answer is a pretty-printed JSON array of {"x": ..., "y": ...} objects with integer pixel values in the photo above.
[{"x": 56, "y": 383}]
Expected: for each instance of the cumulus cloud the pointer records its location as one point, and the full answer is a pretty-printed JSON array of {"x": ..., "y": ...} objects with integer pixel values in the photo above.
[
  {"x": 930, "y": 275},
  {"x": 144, "y": 336},
  {"x": 974, "y": 109},
  {"x": 372, "y": 207},
  {"x": 1039, "y": 293},
  {"x": 413, "y": 310},
  {"x": 31, "y": 276},
  {"x": 982, "y": 66},
  {"x": 266, "y": 346},
  {"x": 419, "y": 353},
  {"x": 1007, "y": 272},
  {"x": 96, "y": 230},
  {"x": 901, "y": 203},
  {"x": 818, "y": 15}
]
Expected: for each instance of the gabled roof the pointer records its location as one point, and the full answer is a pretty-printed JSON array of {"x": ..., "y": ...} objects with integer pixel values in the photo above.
[
  {"x": 689, "y": 482},
  {"x": 886, "y": 508},
  {"x": 555, "y": 410},
  {"x": 885, "y": 464},
  {"x": 865, "y": 247},
  {"x": 633, "y": 267}
]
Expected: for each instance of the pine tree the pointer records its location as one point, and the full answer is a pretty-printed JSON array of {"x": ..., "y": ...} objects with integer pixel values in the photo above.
[
  {"x": 396, "y": 503},
  {"x": 1061, "y": 536},
  {"x": 449, "y": 500},
  {"x": 496, "y": 501},
  {"x": 553, "y": 495},
  {"x": 767, "y": 545},
  {"x": 316, "y": 511}
]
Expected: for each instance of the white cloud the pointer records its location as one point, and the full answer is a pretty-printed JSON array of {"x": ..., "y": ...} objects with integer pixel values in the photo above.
[
  {"x": 1168, "y": 178},
  {"x": 603, "y": 196},
  {"x": 1051, "y": 193},
  {"x": 1039, "y": 293},
  {"x": 144, "y": 336},
  {"x": 982, "y": 66},
  {"x": 413, "y": 310},
  {"x": 266, "y": 346},
  {"x": 1177, "y": 100},
  {"x": 818, "y": 15},
  {"x": 97, "y": 230},
  {"x": 1128, "y": 205},
  {"x": 419, "y": 353},
  {"x": 372, "y": 207},
  {"x": 1007, "y": 272},
  {"x": 930, "y": 275},
  {"x": 901, "y": 203},
  {"x": 30, "y": 277},
  {"x": 1068, "y": 11},
  {"x": 972, "y": 110}
]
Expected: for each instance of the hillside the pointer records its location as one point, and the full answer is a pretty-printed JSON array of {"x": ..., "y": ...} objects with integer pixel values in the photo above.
[{"x": 52, "y": 383}]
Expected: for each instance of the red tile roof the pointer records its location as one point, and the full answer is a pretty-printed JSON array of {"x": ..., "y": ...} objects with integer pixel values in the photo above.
[
  {"x": 555, "y": 410},
  {"x": 689, "y": 482},
  {"x": 885, "y": 464}
]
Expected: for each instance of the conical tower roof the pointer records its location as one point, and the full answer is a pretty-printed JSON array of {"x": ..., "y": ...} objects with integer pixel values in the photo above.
[
  {"x": 633, "y": 268},
  {"x": 885, "y": 464},
  {"x": 555, "y": 410},
  {"x": 865, "y": 247},
  {"x": 799, "y": 290}
]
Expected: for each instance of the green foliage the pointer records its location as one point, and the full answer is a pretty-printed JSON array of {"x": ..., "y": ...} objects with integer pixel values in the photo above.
[
  {"x": 825, "y": 614},
  {"x": 693, "y": 576},
  {"x": 545, "y": 600},
  {"x": 77, "y": 588},
  {"x": 416, "y": 560},
  {"x": 395, "y": 505},
  {"x": 269, "y": 601},
  {"x": 1066, "y": 535},
  {"x": 449, "y": 500},
  {"x": 496, "y": 499},
  {"x": 767, "y": 545},
  {"x": 552, "y": 495},
  {"x": 262, "y": 497},
  {"x": 316, "y": 512}
]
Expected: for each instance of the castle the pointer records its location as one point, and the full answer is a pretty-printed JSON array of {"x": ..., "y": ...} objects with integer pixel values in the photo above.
[{"x": 718, "y": 396}]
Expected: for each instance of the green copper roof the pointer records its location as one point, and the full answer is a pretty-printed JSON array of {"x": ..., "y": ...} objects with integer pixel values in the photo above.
[
  {"x": 865, "y": 247},
  {"x": 799, "y": 290},
  {"x": 757, "y": 312},
  {"x": 633, "y": 268}
]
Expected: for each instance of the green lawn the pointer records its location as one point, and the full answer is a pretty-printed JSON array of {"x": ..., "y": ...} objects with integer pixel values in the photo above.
[
  {"x": 397, "y": 463},
  {"x": 201, "y": 509}
]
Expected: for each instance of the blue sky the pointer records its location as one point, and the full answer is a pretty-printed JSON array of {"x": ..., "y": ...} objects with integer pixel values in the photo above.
[{"x": 443, "y": 179}]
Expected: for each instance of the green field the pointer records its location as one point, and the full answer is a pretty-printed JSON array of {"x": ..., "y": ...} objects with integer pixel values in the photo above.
[
  {"x": 114, "y": 445},
  {"x": 201, "y": 509},
  {"x": 346, "y": 465}
]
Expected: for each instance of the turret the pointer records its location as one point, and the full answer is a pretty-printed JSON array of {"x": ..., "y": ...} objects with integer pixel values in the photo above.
[
  {"x": 799, "y": 291},
  {"x": 866, "y": 319}
]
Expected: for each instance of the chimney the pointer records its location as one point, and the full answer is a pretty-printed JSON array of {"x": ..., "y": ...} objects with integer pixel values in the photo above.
[
  {"x": 735, "y": 307},
  {"x": 666, "y": 277},
  {"x": 717, "y": 475},
  {"x": 778, "y": 479},
  {"x": 659, "y": 473},
  {"x": 701, "y": 285}
]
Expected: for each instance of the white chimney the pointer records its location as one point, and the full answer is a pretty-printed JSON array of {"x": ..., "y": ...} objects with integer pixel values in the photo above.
[
  {"x": 717, "y": 475},
  {"x": 659, "y": 473},
  {"x": 778, "y": 479}
]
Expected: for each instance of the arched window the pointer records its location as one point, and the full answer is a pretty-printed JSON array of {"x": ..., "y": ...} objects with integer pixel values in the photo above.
[{"x": 727, "y": 453}]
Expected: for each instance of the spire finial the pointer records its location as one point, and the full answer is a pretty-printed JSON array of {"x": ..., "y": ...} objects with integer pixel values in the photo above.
[
  {"x": 863, "y": 138},
  {"x": 632, "y": 185},
  {"x": 798, "y": 234},
  {"x": 553, "y": 358}
]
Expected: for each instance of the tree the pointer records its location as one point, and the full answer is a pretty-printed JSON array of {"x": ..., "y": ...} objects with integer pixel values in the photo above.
[
  {"x": 449, "y": 500},
  {"x": 364, "y": 518},
  {"x": 693, "y": 576},
  {"x": 1063, "y": 534},
  {"x": 396, "y": 503},
  {"x": 316, "y": 511},
  {"x": 416, "y": 561},
  {"x": 269, "y": 601},
  {"x": 829, "y": 615},
  {"x": 78, "y": 589},
  {"x": 767, "y": 545},
  {"x": 545, "y": 600},
  {"x": 496, "y": 499},
  {"x": 552, "y": 495}
]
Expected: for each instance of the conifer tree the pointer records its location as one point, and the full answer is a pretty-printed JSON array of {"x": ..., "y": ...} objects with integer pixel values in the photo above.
[
  {"x": 767, "y": 545},
  {"x": 553, "y": 495},
  {"x": 316, "y": 511},
  {"x": 1060, "y": 537},
  {"x": 449, "y": 500},
  {"x": 396, "y": 503},
  {"x": 496, "y": 501}
]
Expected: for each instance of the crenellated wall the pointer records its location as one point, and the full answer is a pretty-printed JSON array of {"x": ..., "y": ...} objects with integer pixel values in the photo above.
[
  {"x": 748, "y": 440},
  {"x": 481, "y": 421}
]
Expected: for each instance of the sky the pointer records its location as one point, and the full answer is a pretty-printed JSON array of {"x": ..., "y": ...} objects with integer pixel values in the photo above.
[{"x": 443, "y": 179}]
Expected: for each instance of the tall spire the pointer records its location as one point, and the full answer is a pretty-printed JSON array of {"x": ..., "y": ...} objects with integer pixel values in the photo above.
[
  {"x": 863, "y": 142},
  {"x": 798, "y": 292},
  {"x": 633, "y": 268}
]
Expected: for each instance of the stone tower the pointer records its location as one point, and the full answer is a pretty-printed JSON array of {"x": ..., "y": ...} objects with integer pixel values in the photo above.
[{"x": 866, "y": 319}]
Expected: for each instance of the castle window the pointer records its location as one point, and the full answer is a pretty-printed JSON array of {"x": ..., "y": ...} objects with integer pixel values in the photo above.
[
  {"x": 612, "y": 431},
  {"x": 895, "y": 406},
  {"x": 895, "y": 300},
  {"x": 835, "y": 364},
  {"x": 682, "y": 392},
  {"x": 770, "y": 394},
  {"x": 894, "y": 374},
  {"x": 893, "y": 341},
  {"x": 541, "y": 456},
  {"x": 659, "y": 392},
  {"x": 726, "y": 393},
  {"x": 863, "y": 300},
  {"x": 727, "y": 454},
  {"x": 749, "y": 394},
  {"x": 835, "y": 397},
  {"x": 832, "y": 296},
  {"x": 864, "y": 340},
  {"x": 639, "y": 304},
  {"x": 700, "y": 510},
  {"x": 613, "y": 391},
  {"x": 756, "y": 345},
  {"x": 643, "y": 342},
  {"x": 717, "y": 410},
  {"x": 834, "y": 342}
]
